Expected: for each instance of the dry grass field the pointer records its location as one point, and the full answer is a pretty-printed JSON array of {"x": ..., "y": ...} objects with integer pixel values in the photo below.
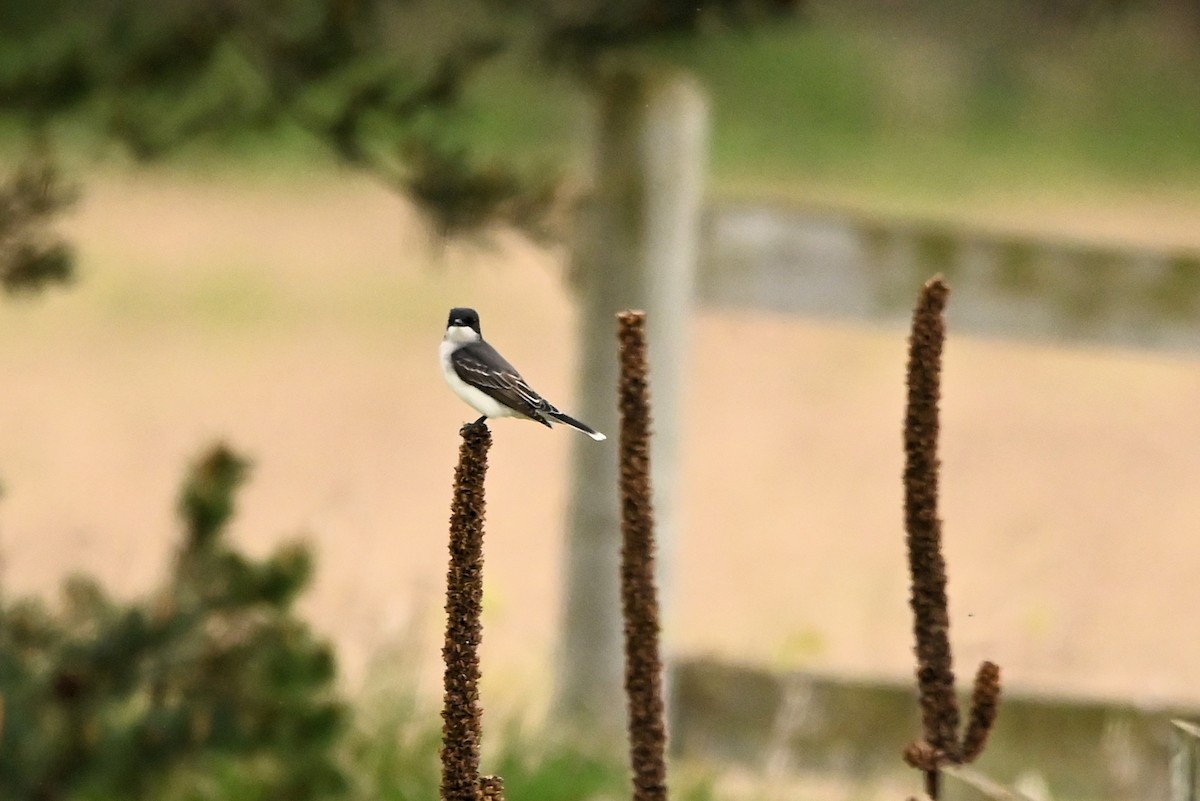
[{"x": 299, "y": 320}]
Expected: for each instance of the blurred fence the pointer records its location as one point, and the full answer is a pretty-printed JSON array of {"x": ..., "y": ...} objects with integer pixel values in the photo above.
[
  {"x": 855, "y": 730},
  {"x": 822, "y": 264},
  {"x": 838, "y": 266},
  {"x": 1185, "y": 761}
]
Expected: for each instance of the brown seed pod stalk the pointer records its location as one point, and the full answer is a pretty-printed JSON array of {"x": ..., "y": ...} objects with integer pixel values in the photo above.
[
  {"x": 931, "y": 617},
  {"x": 461, "y": 732},
  {"x": 639, "y": 594}
]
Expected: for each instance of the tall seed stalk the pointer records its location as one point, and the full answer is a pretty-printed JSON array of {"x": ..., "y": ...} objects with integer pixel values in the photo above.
[
  {"x": 639, "y": 594},
  {"x": 931, "y": 618},
  {"x": 461, "y": 729}
]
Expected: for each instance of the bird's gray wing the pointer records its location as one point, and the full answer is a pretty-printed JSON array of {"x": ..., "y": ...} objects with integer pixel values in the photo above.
[{"x": 479, "y": 365}]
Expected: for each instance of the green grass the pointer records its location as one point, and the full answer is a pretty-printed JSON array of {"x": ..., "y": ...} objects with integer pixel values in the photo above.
[
  {"x": 897, "y": 112},
  {"x": 392, "y": 753},
  {"x": 915, "y": 107}
]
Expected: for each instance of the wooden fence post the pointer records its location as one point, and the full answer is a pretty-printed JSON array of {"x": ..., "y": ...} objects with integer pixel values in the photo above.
[
  {"x": 1185, "y": 742},
  {"x": 636, "y": 247}
]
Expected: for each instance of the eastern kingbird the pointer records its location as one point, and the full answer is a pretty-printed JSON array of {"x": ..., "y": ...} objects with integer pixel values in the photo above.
[{"x": 493, "y": 387}]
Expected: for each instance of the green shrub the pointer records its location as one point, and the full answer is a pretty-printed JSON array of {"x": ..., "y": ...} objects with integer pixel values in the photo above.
[{"x": 210, "y": 687}]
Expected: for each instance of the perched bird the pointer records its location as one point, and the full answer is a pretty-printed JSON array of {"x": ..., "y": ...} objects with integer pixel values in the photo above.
[{"x": 488, "y": 383}]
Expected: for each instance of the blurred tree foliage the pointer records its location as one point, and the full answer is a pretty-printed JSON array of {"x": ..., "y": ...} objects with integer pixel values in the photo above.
[
  {"x": 212, "y": 687},
  {"x": 30, "y": 255},
  {"x": 380, "y": 82}
]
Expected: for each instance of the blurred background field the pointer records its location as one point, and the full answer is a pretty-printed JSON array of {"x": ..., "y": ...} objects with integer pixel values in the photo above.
[
  {"x": 237, "y": 315},
  {"x": 250, "y": 288}
]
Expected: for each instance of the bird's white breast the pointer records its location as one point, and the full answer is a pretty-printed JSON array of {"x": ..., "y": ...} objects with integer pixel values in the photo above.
[{"x": 477, "y": 399}]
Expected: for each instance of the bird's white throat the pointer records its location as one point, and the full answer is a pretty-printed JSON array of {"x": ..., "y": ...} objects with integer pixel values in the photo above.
[{"x": 460, "y": 333}]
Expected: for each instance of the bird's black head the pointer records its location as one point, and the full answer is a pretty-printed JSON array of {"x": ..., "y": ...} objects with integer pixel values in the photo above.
[{"x": 465, "y": 317}]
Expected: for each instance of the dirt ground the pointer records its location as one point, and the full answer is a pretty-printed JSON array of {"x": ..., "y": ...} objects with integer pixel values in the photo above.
[{"x": 300, "y": 322}]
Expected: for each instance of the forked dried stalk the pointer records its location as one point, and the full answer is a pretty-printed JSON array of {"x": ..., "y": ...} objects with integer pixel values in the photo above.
[{"x": 931, "y": 617}]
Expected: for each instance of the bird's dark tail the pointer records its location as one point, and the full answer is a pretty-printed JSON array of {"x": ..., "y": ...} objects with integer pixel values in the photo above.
[{"x": 568, "y": 420}]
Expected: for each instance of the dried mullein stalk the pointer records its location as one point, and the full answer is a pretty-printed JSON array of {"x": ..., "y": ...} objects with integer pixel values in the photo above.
[
  {"x": 491, "y": 788},
  {"x": 985, "y": 701},
  {"x": 931, "y": 618},
  {"x": 935, "y": 676},
  {"x": 639, "y": 595},
  {"x": 464, "y": 605}
]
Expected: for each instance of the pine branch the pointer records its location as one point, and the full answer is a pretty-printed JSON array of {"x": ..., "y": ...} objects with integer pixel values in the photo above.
[{"x": 31, "y": 257}]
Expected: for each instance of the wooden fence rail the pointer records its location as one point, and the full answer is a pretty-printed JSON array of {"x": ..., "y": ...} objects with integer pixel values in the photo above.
[
  {"x": 837, "y": 727},
  {"x": 1185, "y": 761},
  {"x": 838, "y": 265}
]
